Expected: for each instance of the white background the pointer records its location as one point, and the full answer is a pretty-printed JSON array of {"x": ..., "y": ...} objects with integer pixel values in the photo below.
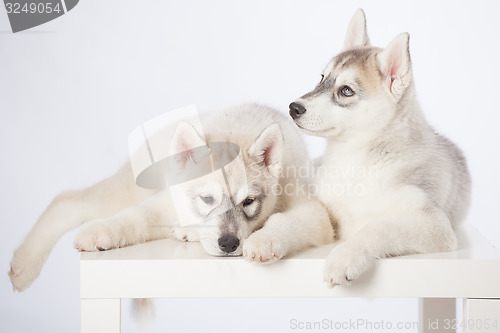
[{"x": 72, "y": 90}]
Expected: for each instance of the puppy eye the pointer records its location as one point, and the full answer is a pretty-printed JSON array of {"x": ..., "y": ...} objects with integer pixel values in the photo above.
[
  {"x": 208, "y": 199},
  {"x": 248, "y": 201},
  {"x": 347, "y": 91},
  {"x": 322, "y": 78}
]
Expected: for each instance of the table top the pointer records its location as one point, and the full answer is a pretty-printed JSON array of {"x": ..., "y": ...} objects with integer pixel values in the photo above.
[{"x": 170, "y": 268}]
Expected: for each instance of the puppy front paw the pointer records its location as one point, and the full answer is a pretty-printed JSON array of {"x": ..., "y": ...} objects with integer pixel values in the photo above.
[
  {"x": 185, "y": 234},
  {"x": 96, "y": 236},
  {"x": 262, "y": 247},
  {"x": 345, "y": 264}
]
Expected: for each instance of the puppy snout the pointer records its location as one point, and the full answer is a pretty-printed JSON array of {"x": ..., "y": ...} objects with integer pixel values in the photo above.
[
  {"x": 296, "y": 110},
  {"x": 228, "y": 243}
]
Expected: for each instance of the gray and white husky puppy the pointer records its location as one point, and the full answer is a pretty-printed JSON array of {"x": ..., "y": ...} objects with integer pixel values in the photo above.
[
  {"x": 269, "y": 205},
  {"x": 393, "y": 185}
]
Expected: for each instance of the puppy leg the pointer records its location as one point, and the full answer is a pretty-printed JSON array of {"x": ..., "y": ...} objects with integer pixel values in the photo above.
[
  {"x": 304, "y": 225},
  {"x": 66, "y": 212},
  {"x": 150, "y": 220},
  {"x": 422, "y": 232}
]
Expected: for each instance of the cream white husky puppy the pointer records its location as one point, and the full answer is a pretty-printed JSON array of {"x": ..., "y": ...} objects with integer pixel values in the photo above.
[
  {"x": 226, "y": 210},
  {"x": 392, "y": 184}
]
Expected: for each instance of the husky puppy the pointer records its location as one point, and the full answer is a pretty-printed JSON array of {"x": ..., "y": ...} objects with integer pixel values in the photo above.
[
  {"x": 393, "y": 185},
  {"x": 268, "y": 203}
]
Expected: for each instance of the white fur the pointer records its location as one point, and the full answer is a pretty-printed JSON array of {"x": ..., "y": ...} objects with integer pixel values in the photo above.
[
  {"x": 117, "y": 213},
  {"x": 415, "y": 186}
]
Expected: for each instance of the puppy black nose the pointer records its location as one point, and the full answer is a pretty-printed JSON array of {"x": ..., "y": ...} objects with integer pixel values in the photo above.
[
  {"x": 228, "y": 243},
  {"x": 296, "y": 110}
]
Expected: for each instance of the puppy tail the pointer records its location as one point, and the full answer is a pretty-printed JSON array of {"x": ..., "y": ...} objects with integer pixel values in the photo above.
[{"x": 143, "y": 310}]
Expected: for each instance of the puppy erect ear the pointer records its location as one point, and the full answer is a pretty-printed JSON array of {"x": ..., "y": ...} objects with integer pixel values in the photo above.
[
  {"x": 395, "y": 65},
  {"x": 184, "y": 141},
  {"x": 267, "y": 149},
  {"x": 356, "y": 35}
]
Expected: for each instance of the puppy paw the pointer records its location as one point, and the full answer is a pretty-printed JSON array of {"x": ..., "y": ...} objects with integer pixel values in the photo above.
[
  {"x": 96, "y": 236},
  {"x": 185, "y": 234},
  {"x": 261, "y": 247},
  {"x": 25, "y": 267},
  {"x": 345, "y": 264}
]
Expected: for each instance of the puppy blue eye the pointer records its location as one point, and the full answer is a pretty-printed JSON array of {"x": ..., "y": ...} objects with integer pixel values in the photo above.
[
  {"x": 347, "y": 91},
  {"x": 209, "y": 200},
  {"x": 248, "y": 202}
]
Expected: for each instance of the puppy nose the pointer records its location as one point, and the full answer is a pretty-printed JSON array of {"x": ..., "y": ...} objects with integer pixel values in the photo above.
[
  {"x": 228, "y": 243},
  {"x": 296, "y": 110}
]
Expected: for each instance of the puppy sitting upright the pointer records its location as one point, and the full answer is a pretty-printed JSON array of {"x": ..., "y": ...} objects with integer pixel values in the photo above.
[{"x": 393, "y": 185}]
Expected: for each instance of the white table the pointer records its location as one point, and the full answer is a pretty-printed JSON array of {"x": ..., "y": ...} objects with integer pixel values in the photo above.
[{"x": 169, "y": 268}]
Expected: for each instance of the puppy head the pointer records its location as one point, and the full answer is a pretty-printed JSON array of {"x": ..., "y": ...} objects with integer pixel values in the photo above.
[
  {"x": 360, "y": 89},
  {"x": 230, "y": 193}
]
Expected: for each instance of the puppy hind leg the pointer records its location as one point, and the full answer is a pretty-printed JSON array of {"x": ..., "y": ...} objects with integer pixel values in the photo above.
[{"x": 66, "y": 212}]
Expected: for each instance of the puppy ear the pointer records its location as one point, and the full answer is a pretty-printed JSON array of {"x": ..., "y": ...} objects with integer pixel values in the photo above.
[
  {"x": 267, "y": 149},
  {"x": 184, "y": 141},
  {"x": 356, "y": 35},
  {"x": 395, "y": 65}
]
